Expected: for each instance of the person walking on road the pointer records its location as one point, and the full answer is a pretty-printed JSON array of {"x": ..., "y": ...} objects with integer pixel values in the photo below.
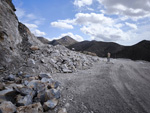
[{"x": 108, "y": 57}]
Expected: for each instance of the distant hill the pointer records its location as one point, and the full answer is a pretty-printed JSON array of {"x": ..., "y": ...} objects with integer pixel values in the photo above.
[
  {"x": 66, "y": 41},
  {"x": 98, "y": 47},
  {"x": 139, "y": 51},
  {"x": 43, "y": 40}
]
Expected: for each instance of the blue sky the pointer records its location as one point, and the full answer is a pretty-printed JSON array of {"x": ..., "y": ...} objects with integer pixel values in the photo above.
[{"x": 123, "y": 21}]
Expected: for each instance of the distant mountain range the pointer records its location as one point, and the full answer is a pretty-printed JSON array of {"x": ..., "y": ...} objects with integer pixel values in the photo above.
[
  {"x": 139, "y": 51},
  {"x": 66, "y": 41}
]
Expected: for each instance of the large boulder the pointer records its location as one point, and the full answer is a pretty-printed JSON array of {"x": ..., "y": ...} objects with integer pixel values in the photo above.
[
  {"x": 50, "y": 104},
  {"x": 7, "y": 107}
]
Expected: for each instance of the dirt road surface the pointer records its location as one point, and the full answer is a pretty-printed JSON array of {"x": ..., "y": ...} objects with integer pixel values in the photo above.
[{"x": 121, "y": 86}]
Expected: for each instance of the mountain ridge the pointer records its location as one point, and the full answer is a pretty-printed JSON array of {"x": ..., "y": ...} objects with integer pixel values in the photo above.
[
  {"x": 66, "y": 41},
  {"x": 139, "y": 51}
]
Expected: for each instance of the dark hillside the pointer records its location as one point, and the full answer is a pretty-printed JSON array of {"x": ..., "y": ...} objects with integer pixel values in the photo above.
[{"x": 139, "y": 51}]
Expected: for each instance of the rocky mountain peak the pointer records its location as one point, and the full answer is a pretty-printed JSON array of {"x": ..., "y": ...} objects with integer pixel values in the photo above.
[{"x": 66, "y": 41}]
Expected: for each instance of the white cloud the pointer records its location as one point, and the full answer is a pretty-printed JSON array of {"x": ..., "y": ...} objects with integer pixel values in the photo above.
[
  {"x": 34, "y": 30},
  {"x": 90, "y": 9},
  {"x": 61, "y": 25},
  {"x": 37, "y": 32},
  {"x": 81, "y": 3},
  {"x": 88, "y": 18},
  {"x": 104, "y": 33},
  {"x": 118, "y": 25},
  {"x": 31, "y": 16},
  {"x": 20, "y": 13},
  {"x": 131, "y": 25},
  {"x": 25, "y": 17},
  {"x": 134, "y": 9},
  {"x": 76, "y": 37},
  {"x": 31, "y": 26},
  {"x": 98, "y": 26}
]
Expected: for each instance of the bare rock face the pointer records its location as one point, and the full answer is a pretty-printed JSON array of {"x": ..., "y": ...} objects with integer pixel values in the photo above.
[
  {"x": 15, "y": 38},
  {"x": 22, "y": 51},
  {"x": 26, "y": 66}
]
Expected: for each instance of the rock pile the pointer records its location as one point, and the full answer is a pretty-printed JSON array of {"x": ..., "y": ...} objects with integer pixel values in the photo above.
[
  {"x": 28, "y": 94},
  {"x": 20, "y": 50},
  {"x": 57, "y": 59}
]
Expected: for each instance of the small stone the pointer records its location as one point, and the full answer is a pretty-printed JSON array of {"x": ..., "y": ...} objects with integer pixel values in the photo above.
[
  {"x": 2, "y": 87},
  {"x": 41, "y": 97},
  {"x": 43, "y": 75},
  {"x": 62, "y": 110},
  {"x": 33, "y": 108},
  {"x": 24, "y": 101},
  {"x": 25, "y": 91},
  {"x": 18, "y": 80},
  {"x": 50, "y": 104},
  {"x": 7, "y": 107},
  {"x": 11, "y": 77},
  {"x": 7, "y": 95},
  {"x": 33, "y": 84},
  {"x": 34, "y": 48},
  {"x": 51, "y": 94},
  {"x": 37, "y": 85},
  {"x": 67, "y": 71},
  {"x": 67, "y": 105},
  {"x": 20, "y": 73},
  {"x": 32, "y": 78},
  {"x": 27, "y": 76},
  {"x": 25, "y": 82},
  {"x": 45, "y": 80},
  {"x": 30, "y": 62},
  {"x": 42, "y": 61},
  {"x": 56, "y": 93},
  {"x": 56, "y": 84}
]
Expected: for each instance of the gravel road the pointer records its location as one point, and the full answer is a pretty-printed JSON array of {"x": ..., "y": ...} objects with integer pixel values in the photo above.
[{"x": 121, "y": 86}]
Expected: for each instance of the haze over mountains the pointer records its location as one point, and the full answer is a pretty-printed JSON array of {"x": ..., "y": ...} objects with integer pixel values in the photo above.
[{"x": 139, "y": 51}]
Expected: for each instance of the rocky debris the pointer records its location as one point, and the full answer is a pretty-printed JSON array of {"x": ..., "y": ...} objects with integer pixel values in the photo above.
[
  {"x": 33, "y": 108},
  {"x": 7, "y": 107},
  {"x": 58, "y": 59},
  {"x": 89, "y": 53},
  {"x": 62, "y": 110},
  {"x": 34, "y": 48},
  {"x": 11, "y": 77},
  {"x": 50, "y": 104},
  {"x": 37, "y": 91},
  {"x": 25, "y": 91},
  {"x": 43, "y": 75}
]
